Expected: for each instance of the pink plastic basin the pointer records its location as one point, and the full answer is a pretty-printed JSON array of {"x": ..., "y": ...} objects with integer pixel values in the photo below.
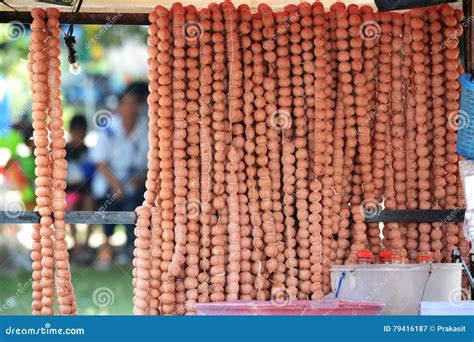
[{"x": 292, "y": 308}]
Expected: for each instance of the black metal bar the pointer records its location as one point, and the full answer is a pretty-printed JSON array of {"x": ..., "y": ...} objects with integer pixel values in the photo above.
[
  {"x": 451, "y": 215},
  {"x": 128, "y": 217},
  {"x": 81, "y": 18},
  {"x": 89, "y": 217}
]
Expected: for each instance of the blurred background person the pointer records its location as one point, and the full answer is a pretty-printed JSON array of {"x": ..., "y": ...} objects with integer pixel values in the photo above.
[
  {"x": 79, "y": 179},
  {"x": 120, "y": 157}
]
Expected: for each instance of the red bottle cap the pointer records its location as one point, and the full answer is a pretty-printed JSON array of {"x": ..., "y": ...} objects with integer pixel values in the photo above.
[
  {"x": 424, "y": 257},
  {"x": 364, "y": 254}
]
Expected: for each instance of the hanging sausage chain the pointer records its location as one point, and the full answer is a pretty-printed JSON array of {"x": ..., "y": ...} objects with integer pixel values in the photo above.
[
  {"x": 272, "y": 136},
  {"x": 50, "y": 256},
  {"x": 278, "y": 133}
]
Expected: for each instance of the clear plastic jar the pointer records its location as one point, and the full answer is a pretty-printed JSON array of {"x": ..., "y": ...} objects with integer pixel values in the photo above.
[
  {"x": 364, "y": 257},
  {"x": 398, "y": 256},
  {"x": 385, "y": 256},
  {"x": 424, "y": 258}
]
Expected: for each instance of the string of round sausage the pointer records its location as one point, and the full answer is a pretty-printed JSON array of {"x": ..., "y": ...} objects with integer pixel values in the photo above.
[
  {"x": 333, "y": 160},
  {"x": 360, "y": 101},
  {"x": 339, "y": 25},
  {"x": 221, "y": 141},
  {"x": 247, "y": 278},
  {"x": 398, "y": 133},
  {"x": 263, "y": 196},
  {"x": 167, "y": 297},
  {"x": 300, "y": 146},
  {"x": 451, "y": 31},
  {"x": 205, "y": 142},
  {"x": 321, "y": 221},
  {"x": 341, "y": 212},
  {"x": 192, "y": 31},
  {"x": 411, "y": 178},
  {"x": 156, "y": 253},
  {"x": 363, "y": 188},
  {"x": 180, "y": 155},
  {"x": 366, "y": 126},
  {"x": 312, "y": 197},
  {"x": 422, "y": 150},
  {"x": 333, "y": 206},
  {"x": 240, "y": 140},
  {"x": 344, "y": 120},
  {"x": 142, "y": 258},
  {"x": 434, "y": 230},
  {"x": 350, "y": 117},
  {"x": 463, "y": 244},
  {"x": 356, "y": 100},
  {"x": 385, "y": 77},
  {"x": 438, "y": 131},
  {"x": 64, "y": 290},
  {"x": 235, "y": 152},
  {"x": 42, "y": 252},
  {"x": 271, "y": 223},
  {"x": 285, "y": 210},
  {"x": 380, "y": 119},
  {"x": 141, "y": 261},
  {"x": 153, "y": 182}
]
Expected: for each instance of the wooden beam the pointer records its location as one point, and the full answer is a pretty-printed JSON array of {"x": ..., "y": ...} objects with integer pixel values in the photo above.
[{"x": 82, "y": 18}]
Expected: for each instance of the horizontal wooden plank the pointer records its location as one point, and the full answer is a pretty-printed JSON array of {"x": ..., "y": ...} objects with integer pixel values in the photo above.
[
  {"x": 88, "y": 217},
  {"x": 136, "y": 12},
  {"x": 129, "y": 217},
  {"x": 82, "y": 18},
  {"x": 145, "y": 6}
]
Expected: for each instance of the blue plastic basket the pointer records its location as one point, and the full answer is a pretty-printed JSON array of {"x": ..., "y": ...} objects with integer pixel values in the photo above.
[{"x": 465, "y": 142}]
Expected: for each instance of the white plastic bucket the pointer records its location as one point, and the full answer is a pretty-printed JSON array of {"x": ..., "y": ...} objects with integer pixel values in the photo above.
[{"x": 400, "y": 286}]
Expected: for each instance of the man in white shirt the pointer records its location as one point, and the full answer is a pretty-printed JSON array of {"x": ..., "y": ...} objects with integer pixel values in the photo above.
[{"x": 120, "y": 156}]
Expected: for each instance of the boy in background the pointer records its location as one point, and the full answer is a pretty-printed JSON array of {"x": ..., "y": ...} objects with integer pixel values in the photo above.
[{"x": 79, "y": 179}]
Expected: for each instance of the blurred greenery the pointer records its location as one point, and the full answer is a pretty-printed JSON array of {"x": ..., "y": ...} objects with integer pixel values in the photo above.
[
  {"x": 93, "y": 42},
  {"x": 97, "y": 292}
]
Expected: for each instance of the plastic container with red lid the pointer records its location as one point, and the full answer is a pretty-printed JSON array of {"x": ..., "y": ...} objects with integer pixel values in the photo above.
[
  {"x": 323, "y": 307},
  {"x": 424, "y": 258},
  {"x": 397, "y": 256},
  {"x": 364, "y": 257},
  {"x": 385, "y": 256}
]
